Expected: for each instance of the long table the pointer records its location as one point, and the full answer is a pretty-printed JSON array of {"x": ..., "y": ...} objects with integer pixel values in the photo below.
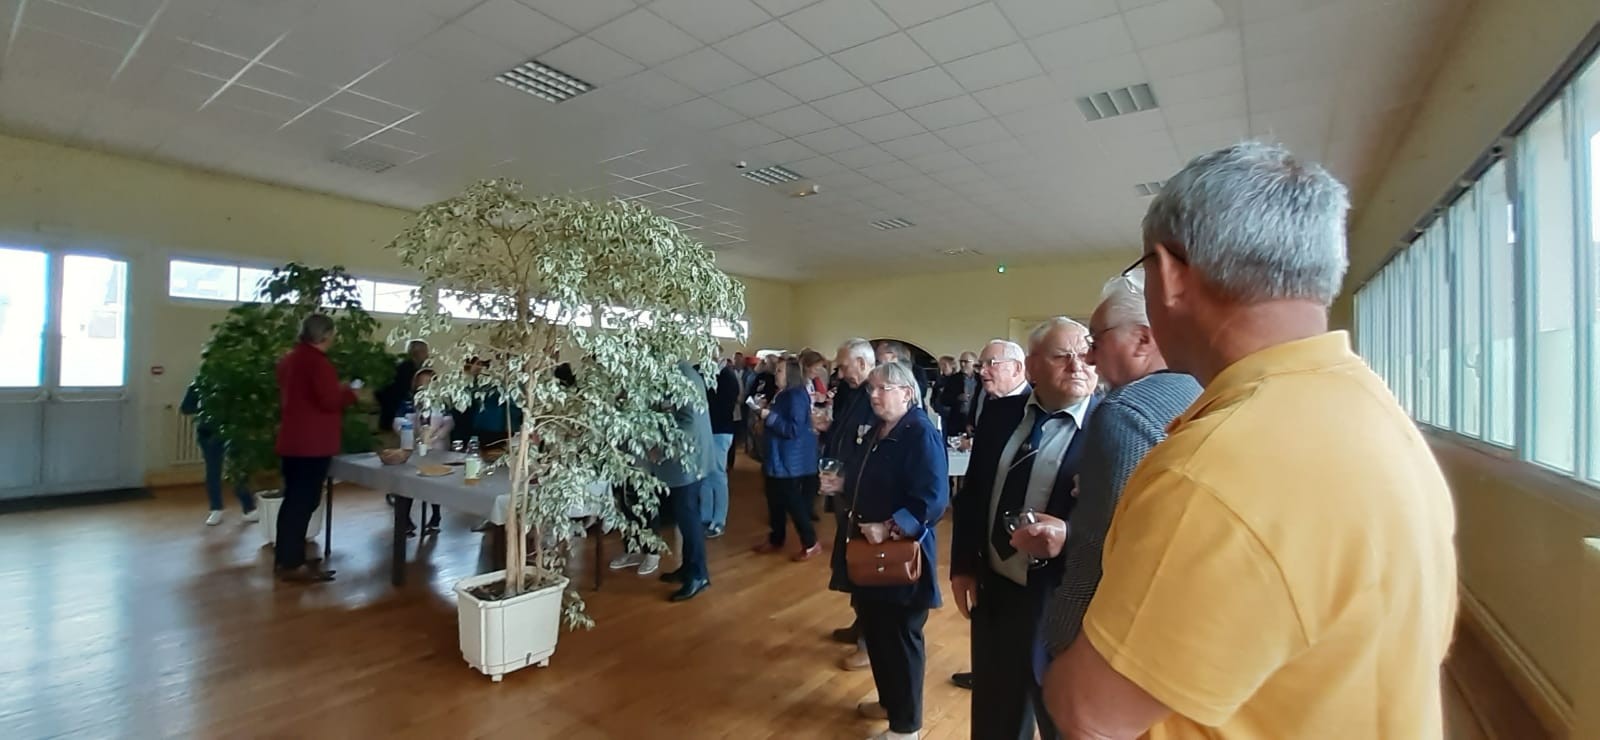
[{"x": 488, "y": 499}]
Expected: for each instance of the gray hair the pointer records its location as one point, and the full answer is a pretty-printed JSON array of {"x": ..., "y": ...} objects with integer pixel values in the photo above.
[
  {"x": 859, "y": 349},
  {"x": 1051, "y": 324},
  {"x": 1009, "y": 350},
  {"x": 1256, "y": 223},
  {"x": 316, "y": 328},
  {"x": 897, "y": 373},
  {"x": 1123, "y": 299},
  {"x": 896, "y": 348}
]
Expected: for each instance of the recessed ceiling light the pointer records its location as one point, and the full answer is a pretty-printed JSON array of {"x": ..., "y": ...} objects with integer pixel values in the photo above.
[
  {"x": 890, "y": 224},
  {"x": 1149, "y": 188},
  {"x": 543, "y": 81},
  {"x": 774, "y": 175},
  {"x": 1118, "y": 102}
]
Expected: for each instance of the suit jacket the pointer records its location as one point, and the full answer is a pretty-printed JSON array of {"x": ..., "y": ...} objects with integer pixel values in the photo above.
[{"x": 969, "y": 550}]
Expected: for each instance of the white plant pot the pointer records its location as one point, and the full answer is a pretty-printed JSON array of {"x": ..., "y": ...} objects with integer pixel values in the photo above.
[
  {"x": 498, "y": 637},
  {"x": 268, "y": 502}
]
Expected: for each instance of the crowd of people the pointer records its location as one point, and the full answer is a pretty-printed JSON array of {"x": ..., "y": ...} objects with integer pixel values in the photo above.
[{"x": 1199, "y": 515}]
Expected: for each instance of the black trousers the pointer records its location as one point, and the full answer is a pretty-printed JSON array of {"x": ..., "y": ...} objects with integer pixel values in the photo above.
[
  {"x": 786, "y": 500},
  {"x": 302, "y": 489},
  {"x": 893, "y": 636},
  {"x": 684, "y": 502},
  {"x": 1007, "y": 701}
]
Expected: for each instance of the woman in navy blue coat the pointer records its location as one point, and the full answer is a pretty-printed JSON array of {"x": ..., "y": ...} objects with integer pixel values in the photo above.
[
  {"x": 900, "y": 485},
  {"x": 790, "y": 462}
]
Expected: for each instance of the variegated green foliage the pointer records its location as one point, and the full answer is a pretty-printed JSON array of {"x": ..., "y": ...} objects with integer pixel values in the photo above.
[{"x": 533, "y": 268}]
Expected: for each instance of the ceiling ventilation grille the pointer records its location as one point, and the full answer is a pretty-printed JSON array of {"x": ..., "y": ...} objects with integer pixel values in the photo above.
[
  {"x": 890, "y": 224},
  {"x": 360, "y": 161},
  {"x": 1149, "y": 188},
  {"x": 543, "y": 81},
  {"x": 1118, "y": 102},
  {"x": 774, "y": 175}
]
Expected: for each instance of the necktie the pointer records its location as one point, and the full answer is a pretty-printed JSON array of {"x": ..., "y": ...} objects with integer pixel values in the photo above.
[{"x": 1014, "y": 493}]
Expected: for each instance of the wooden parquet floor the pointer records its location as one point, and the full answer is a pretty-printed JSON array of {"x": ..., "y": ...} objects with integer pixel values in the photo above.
[{"x": 135, "y": 620}]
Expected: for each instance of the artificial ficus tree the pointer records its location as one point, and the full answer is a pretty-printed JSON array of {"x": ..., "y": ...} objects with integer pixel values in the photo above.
[{"x": 618, "y": 290}]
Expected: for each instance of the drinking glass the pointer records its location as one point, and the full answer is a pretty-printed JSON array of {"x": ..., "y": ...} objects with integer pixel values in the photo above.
[
  {"x": 1018, "y": 519},
  {"x": 831, "y": 468}
]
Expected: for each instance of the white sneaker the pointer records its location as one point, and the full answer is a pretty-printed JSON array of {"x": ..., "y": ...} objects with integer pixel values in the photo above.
[
  {"x": 627, "y": 560},
  {"x": 650, "y": 564},
  {"x": 213, "y": 519},
  {"x": 252, "y": 516}
]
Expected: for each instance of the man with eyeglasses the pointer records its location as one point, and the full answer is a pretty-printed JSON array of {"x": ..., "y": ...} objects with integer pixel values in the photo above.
[
  {"x": 1001, "y": 373},
  {"x": 1025, "y": 453}
]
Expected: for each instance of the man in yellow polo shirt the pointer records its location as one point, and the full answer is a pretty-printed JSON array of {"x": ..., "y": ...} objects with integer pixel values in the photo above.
[{"x": 1282, "y": 566}]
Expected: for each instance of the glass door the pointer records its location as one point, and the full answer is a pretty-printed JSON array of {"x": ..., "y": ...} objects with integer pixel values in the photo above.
[{"x": 67, "y": 422}]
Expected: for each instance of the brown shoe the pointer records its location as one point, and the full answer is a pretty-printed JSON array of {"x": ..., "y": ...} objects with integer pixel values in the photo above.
[
  {"x": 872, "y": 710},
  {"x": 856, "y": 660},
  {"x": 808, "y": 553}
]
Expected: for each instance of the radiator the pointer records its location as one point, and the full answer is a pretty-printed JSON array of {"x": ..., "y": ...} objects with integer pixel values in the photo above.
[{"x": 182, "y": 448}]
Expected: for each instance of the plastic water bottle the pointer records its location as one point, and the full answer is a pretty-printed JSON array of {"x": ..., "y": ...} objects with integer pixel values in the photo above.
[
  {"x": 473, "y": 465},
  {"x": 405, "y": 426}
]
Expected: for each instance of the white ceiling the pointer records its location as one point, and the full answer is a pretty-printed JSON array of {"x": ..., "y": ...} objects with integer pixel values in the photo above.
[{"x": 957, "y": 115}]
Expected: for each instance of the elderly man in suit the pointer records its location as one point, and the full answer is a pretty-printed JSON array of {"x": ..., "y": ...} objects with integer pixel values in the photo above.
[{"x": 1024, "y": 456}]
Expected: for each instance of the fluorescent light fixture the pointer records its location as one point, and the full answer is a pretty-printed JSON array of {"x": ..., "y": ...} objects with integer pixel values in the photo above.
[
  {"x": 890, "y": 224},
  {"x": 1149, "y": 188},
  {"x": 774, "y": 175},
  {"x": 543, "y": 81},
  {"x": 1118, "y": 102}
]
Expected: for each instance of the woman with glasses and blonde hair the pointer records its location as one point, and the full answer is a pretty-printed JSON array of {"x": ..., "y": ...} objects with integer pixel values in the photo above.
[{"x": 898, "y": 483}]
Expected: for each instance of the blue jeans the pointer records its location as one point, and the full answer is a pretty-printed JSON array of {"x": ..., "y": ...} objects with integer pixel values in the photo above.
[
  {"x": 714, "y": 493},
  {"x": 684, "y": 501},
  {"x": 212, "y": 448}
]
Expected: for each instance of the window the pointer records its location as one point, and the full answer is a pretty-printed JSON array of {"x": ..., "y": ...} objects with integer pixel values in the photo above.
[
  {"x": 93, "y": 318},
  {"x": 212, "y": 281},
  {"x": 393, "y": 297},
  {"x": 1500, "y": 266},
  {"x": 1587, "y": 104},
  {"x": 253, "y": 283},
  {"x": 1548, "y": 186},
  {"x": 24, "y": 276},
  {"x": 1467, "y": 238},
  {"x": 203, "y": 280}
]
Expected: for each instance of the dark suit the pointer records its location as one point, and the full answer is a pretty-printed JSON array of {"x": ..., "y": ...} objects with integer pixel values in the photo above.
[
  {"x": 1006, "y": 699},
  {"x": 955, "y": 412}
]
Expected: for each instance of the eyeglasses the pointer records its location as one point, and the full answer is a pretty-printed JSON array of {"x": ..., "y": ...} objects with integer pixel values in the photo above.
[
  {"x": 1182, "y": 260},
  {"x": 996, "y": 362},
  {"x": 1094, "y": 338},
  {"x": 876, "y": 389}
]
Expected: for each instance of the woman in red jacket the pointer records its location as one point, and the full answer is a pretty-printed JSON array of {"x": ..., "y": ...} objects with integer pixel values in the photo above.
[{"x": 312, "y": 403}]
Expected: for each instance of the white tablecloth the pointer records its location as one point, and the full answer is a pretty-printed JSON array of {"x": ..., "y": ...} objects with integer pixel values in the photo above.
[
  {"x": 958, "y": 463},
  {"x": 487, "y": 499}
]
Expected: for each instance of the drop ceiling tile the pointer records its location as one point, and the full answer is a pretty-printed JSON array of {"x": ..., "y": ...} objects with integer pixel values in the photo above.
[
  {"x": 995, "y": 67},
  {"x": 749, "y": 134},
  {"x": 768, "y": 48},
  {"x": 582, "y": 16},
  {"x": 1100, "y": 39},
  {"x": 909, "y": 13},
  {"x": 705, "y": 113},
  {"x": 1173, "y": 20},
  {"x": 1054, "y": 116},
  {"x": 1019, "y": 95},
  {"x": 782, "y": 152},
  {"x": 914, "y": 145},
  {"x": 815, "y": 167},
  {"x": 1037, "y": 17},
  {"x": 995, "y": 151},
  {"x": 706, "y": 70},
  {"x": 755, "y": 98},
  {"x": 889, "y": 171},
  {"x": 862, "y": 156},
  {"x": 1196, "y": 140},
  {"x": 711, "y": 20},
  {"x": 783, "y": 7},
  {"x": 590, "y": 61},
  {"x": 1100, "y": 75},
  {"x": 645, "y": 37},
  {"x": 829, "y": 141},
  {"x": 885, "y": 128},
  {"x": 654, "y": 91},
  {"x": 845, "y": 179},
  {"x": 939, "y": 161},
  {"x": 476, "y": 57},
  {"x": 965, "y": 33},
  {"x": 798, "y": 121},
  {"x": 919, "y": 88},
  {"x": 835, "y": 25},
  {"x": 1198, "y": 86},
  {"x": 947, "y": 113},
  {"x": 360, "y": 107},
  {"x": 1211, "y": 51},
  {"x": 971, "y": 178},
  {"x": 516, "y": 26},
  {"x": 815, "y": 80},
  {"x": 885, "y": 58},
  {"x": 857, "y": 105},
  {"x": 976, "y": 132}
]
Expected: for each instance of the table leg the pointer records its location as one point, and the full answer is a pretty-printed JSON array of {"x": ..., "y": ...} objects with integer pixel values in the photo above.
[
  {"x": 397, "y": 562},
  {"x": 327, "y": 522}
]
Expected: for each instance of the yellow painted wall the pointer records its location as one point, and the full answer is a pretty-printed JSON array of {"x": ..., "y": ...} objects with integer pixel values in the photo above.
[
  {"x": 67, "y": 198},
  {"x": 947, "y": 313}
]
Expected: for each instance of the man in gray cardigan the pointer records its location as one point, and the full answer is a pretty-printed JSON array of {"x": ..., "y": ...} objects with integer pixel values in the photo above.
[{"x": 1132, "y": 419}]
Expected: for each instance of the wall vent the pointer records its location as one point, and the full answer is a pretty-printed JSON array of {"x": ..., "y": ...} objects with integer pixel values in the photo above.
[
  {"x": 1118, "y": 102},
  {"x": 890, "y": 224}
]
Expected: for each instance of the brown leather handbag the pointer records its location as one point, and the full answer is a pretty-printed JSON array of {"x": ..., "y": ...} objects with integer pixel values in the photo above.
[{"x": 888, "y": 563}]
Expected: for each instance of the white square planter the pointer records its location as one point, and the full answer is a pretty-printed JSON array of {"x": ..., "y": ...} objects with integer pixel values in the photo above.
[
  {"x": 498, "y": 637},
  {"x": 268, "y": 503}
]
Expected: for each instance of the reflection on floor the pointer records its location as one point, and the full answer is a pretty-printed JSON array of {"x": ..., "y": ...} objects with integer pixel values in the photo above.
[{"x": 135, "y": 620}]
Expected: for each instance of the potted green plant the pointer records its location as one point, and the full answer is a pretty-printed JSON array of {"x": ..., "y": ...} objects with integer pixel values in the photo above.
[
  {"x": 237, "y": 382},
  {"x": 527, "y": 281}
]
